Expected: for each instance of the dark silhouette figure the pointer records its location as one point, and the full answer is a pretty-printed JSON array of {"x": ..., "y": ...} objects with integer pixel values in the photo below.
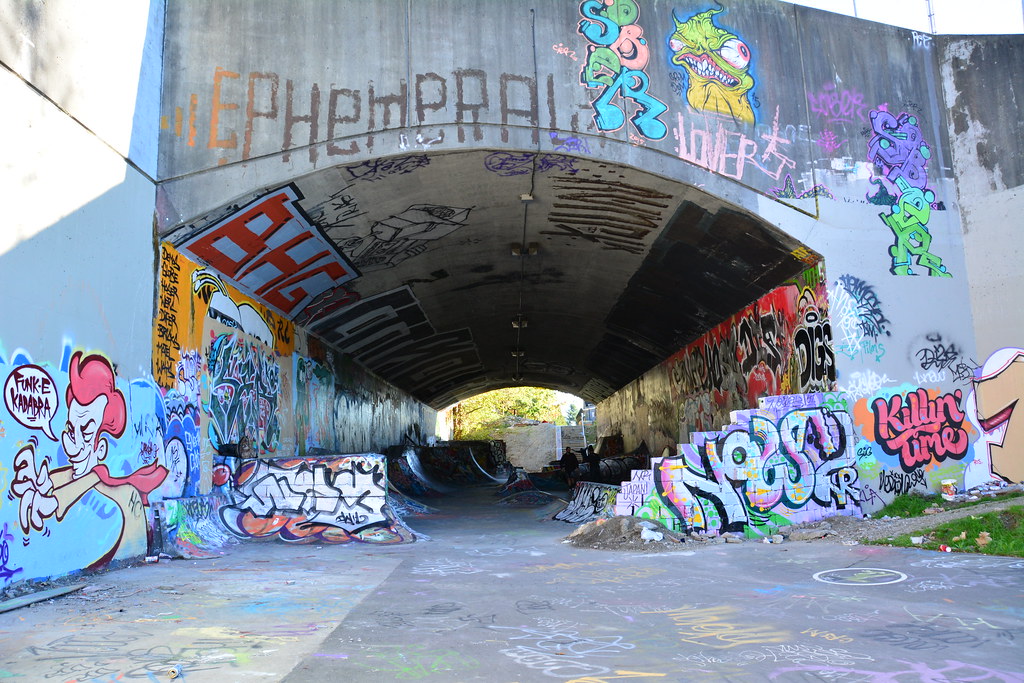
[
  {"x": 568, "y": 462},
  {"x": 593, "y": 460}
]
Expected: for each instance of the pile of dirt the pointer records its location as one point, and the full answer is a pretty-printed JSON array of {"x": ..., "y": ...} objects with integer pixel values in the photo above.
[{"x": 625, "y": 533}]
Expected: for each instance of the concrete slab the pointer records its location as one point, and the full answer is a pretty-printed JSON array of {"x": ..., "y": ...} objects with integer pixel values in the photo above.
[{"x": 497, "y": 597}]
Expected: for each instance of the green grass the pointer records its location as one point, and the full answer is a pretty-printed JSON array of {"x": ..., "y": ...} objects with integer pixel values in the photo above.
[
  {"x": 1004, "y": 527},
  {"x": 914, "y": 504}
]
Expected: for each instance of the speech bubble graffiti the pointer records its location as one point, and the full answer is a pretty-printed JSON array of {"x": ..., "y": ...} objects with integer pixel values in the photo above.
[{"x": 31, "y": 397}]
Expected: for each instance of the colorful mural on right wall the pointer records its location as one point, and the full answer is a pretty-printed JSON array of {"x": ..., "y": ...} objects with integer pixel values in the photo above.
[{"x": 991, "y": 407}]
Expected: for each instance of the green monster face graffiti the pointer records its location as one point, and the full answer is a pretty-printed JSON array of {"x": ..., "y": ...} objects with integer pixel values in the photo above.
[{"x": 717, "y": 63}]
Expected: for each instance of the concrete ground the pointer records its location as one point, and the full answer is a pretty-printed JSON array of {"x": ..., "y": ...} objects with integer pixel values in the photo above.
[{"x": 495, "y": 596}]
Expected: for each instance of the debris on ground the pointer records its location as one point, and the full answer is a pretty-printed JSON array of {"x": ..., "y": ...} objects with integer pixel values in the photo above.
[
  {"x": 625, "y": 533},
  {"x": 636, "y": 534}
]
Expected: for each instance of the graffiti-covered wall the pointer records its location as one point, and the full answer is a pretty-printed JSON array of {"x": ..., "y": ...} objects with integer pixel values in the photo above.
[
  {"x": 259, "y": 384},
  {"x": 779, "y": 344},
  {"x": 876, "y": 148},
  {"x": 87, "y": 450},
  {"x": 86, "y": 441},
  {"x": 900, "y": 336},
  {"x": 84, "y": 453},
  {"x": 788, "y": 461}
]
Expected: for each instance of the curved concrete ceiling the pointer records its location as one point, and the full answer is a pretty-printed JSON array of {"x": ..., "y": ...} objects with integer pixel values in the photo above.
[{"x": 457, "y": 273}]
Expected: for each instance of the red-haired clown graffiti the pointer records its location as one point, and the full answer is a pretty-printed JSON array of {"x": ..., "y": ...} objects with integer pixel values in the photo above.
[{"x": 96, "y": 413}]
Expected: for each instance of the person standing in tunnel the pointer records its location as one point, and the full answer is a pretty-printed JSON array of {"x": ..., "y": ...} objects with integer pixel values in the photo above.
[
  {"x": 594, "y": 461},
  {"x": 568, "y": 463}
]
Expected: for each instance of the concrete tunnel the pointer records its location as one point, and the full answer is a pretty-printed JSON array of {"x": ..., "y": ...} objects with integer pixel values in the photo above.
[
  {"x": 471, "y": 271},
  {"x": 662, "y": 207}
]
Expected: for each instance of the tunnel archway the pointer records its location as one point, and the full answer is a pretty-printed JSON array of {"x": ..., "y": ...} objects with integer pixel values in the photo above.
[{"x": 450, "y": 274}]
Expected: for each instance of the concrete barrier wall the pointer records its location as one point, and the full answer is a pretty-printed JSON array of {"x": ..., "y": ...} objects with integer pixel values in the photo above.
[
  {"x": 790, "y": 461},
  {"x": 328, "y": 499}
]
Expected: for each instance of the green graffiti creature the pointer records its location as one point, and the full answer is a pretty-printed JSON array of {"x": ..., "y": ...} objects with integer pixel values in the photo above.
[{"x": 717, "y": 64}]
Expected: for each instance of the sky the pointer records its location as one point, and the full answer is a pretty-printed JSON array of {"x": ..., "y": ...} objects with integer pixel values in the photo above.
[{"x": 955, "y": 17}]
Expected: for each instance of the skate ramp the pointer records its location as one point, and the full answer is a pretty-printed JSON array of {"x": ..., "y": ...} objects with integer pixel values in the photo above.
[
  {"x": 191, "y": 528},
  {"x": 322, "y": 499},
  {"x": 457, "y": 464},
  {"x": 589, "y": 501}
]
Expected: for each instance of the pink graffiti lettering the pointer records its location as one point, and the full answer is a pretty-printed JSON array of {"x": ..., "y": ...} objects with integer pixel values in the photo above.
[
  {"x": 731, "y": 153},
  {"x": 921, "y": 429},
  {"x": 837, "y": 106}
]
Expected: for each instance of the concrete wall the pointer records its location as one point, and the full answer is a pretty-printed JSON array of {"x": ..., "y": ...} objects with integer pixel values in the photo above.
[
  {"x": 982, "y": 82},
  {"x": 899, "y": 302},
  {"x": 237, "y": 373},
  {"x": 790, "y": 461},
  {"x": 818, "y": 143},
  {"x": 835, "y": 133},
  {"x": 77, "y": 276},
  {"x": 91, "y": 431},
  {"x": 779, "y": 344}
]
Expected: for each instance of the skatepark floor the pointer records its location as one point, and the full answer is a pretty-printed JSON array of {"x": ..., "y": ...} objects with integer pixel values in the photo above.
[{"x": 495, "y": 595}]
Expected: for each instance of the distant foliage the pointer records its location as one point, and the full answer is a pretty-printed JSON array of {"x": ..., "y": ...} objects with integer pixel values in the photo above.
[{"x": 486, "y": 416}]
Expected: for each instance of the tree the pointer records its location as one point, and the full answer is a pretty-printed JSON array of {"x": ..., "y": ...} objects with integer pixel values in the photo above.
[
  {"x": 570, "y": 413},
  {"x": 485, "y": 416}
]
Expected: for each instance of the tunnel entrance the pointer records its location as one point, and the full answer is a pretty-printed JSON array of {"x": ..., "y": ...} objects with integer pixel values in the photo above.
[
  {"x": 450, "y": 274},
  {"x": 426, "y": 278}
]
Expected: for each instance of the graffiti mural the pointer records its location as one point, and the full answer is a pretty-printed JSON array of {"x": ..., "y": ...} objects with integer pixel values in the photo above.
[
  {"x": 198, "y": 301},
  {"x": 410, "y": 233},
  {"x": 774, "y": 466},
  {"x": 309, "y": 500},
  {"x": 589, "y": 502},
  {"x": 813, "y": 341},
  {"x": 79, "y": 494},
  {"x": 905, "y": 429},
  {"x": 780, "y": 343},
  {"x": 992, "y": 408},
  {"x": 314, "y": 407},
  {"x": 859, "y": 317},
  {"x": 244, "y": 391},
  {"x": 616, "y": 58},
  {"x": 717, "y": 66},
  {"x": 919, "y": 428},
  {"x": 224, "y": 370},
  {"x": 169, "y": 434},
  {"x": 898, "y": 149},
  {"x": 273, "y": 251}
]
